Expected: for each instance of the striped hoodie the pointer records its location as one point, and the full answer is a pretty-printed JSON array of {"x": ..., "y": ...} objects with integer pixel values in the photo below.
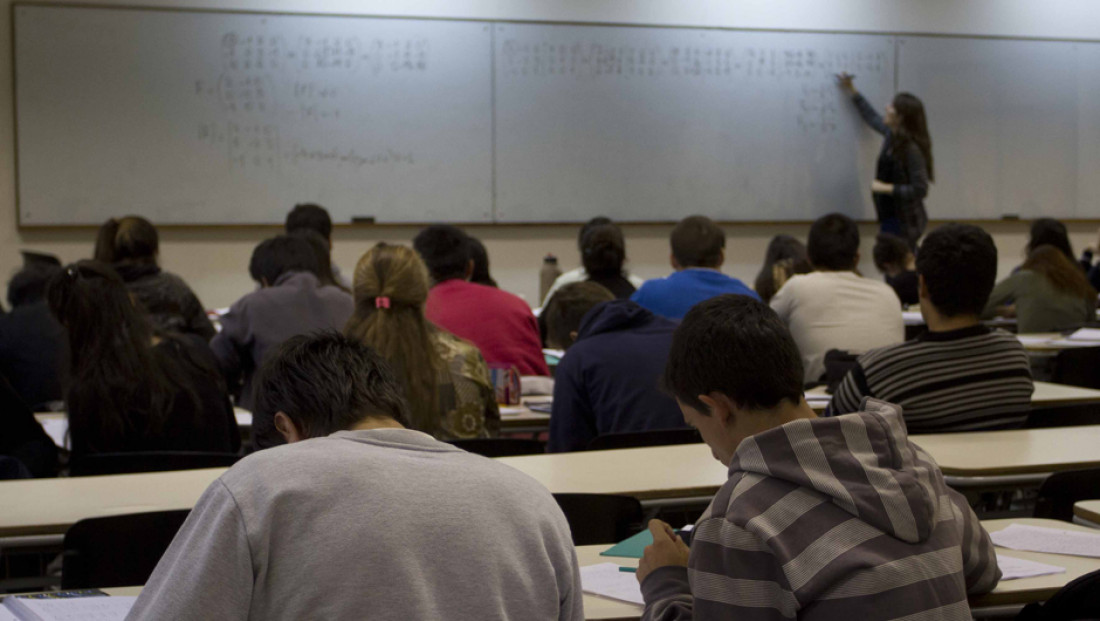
[{"x": 830, "y": 518}]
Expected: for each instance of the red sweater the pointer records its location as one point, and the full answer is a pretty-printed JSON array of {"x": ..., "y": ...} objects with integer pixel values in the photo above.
[{"x": 499, "y": 323}]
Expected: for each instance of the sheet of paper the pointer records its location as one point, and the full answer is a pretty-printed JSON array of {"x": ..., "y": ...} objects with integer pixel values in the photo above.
[
  {"x": 1063, "y": 343},
  {"x": 511, "y": 410},
  {"x": 1085, "y": 334},
  {"x": 606, "y": 580},
  {"x": 1033, "y": 340},
  {"x": 81, "y": 608},
  {"x": 1013, "y": 568},
  {"x": 244, "y": 417},
  {"x": 1050, "y": 540},
  {"x": 56, "y": 429},
  {"x": 912, "y": 318}
]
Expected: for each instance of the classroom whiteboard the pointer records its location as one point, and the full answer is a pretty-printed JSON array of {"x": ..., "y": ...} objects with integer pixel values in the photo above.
[
  {"x": 659, "y": 123},
  {"x": 1015, "y": 124},
  {"x": 202, "y": 117}
]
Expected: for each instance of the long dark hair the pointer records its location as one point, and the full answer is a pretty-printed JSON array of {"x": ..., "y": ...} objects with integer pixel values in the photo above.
[
  {"x": 1062, "y": 272},
  {"x": 118, "y": 386},
  {"x": 1050, "y": 232},
  {"x": 603, "y": 251},
  {"x": 324, "y": 259},
  {"x": 131, "y": 239},
  {"x": 480, "y": 256},
  {"x": 782, "y": 248},
  {"x": 912, "y": 127}
]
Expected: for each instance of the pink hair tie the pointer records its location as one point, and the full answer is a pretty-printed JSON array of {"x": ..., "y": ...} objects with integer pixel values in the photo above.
[{"x": 381, "y": 302}]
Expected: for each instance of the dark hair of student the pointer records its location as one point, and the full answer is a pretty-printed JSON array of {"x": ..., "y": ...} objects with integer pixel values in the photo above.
[
  {"x": 309, "y": 216},
  {"x": 445, "y": 249},
  {"x": 697, "y": 242},
  {"x": 398, "y": 330},
  {"x": 833, "y": 243},
  {"x": 782, "y": 248},
  {"x": 115, "y": 372},
  {"x": 1062, "y": 273},
  {"x": 28, "y": 286},
  {"x": 325, "y": 382},
  {"x": 568, "y": 306},
  {"x": 597, "y": 221},
  {"x": 603, "y": 251},
  {"x": 276, "y": 256},
  {"x": 320, "y": 248},
  {"x": 481, "y": 264},
  {"x": 131, "y": 239},
  {"x": 913, "y": 127},
  {"x": 1050, "y": 232},
  {"x": 890, "y": 250},
  {"x": 737, "y": 346},
  {"x": 959, "y": 266}
]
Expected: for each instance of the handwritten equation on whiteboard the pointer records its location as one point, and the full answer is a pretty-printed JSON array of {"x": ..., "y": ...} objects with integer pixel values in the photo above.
[
  {"x": 809, "y": 73},
  {"x": 269, "y": 85}
]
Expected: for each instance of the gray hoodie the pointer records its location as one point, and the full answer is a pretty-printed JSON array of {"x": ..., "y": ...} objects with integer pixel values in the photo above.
[{"x": 831, "y": 518}]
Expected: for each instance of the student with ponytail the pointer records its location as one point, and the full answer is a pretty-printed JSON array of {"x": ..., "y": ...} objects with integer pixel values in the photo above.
[{"x": 446, "y": 381}]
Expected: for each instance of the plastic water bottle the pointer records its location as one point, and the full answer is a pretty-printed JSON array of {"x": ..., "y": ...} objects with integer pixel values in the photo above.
[{"x": 548, "y": 274}]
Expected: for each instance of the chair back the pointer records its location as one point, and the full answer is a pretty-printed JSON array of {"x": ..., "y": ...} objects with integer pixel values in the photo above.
[
  {"x": 837, "y": 365},
  {"x": 120, "y": 550},
  {"x": 1064, "y": 416},
  {"x": 150, "y": 461},
  {"x": 501, "y": 447},
  {"x": 600, "y": 518},
  {"x": 635, "y": 439},
  {"x": 1061, "y": 490},
  {"x": 1077, "y": 366}
]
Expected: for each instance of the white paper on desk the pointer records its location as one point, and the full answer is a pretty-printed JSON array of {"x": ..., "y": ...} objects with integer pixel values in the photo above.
[
  {"x": 511, "y": 410},
  {"x": 81, "y": 608},
  {"x": 1013, "y": 568},
  {"x": 56, "y": 429},
  {"x": 1033, "y": 340},
  {"x": 1063, "y": 343},
  {"x": 1085, "y": 334},
  {"x": 1049, "y": 540},
  {"x": 912, "y": 318},
  {"x": 606, "y": 580}
]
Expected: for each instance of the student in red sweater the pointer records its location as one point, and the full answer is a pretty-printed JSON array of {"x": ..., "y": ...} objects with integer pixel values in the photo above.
[{"x": 499, "y": 323}]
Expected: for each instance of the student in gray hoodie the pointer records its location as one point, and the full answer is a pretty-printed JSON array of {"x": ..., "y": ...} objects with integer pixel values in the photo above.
[{"x": 822, "y": 518}]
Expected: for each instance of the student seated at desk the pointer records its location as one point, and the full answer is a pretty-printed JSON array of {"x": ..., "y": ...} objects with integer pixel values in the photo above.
[
  {"x": 834, "y": 307},
  {"x": 311, "y": 217},
  {"x": 34, "y": 350},
  {"x": 499, "y": 323},
  {"x": 896, "y": 261},
  {"x": 1049, "y": 293},
  {"x": 291, "y": 300},
  {"x": 131, "y": 245},
  {"x": 607, "y": 381},
  {"x": 698, "y": 252},
  {"x": 785, "y": 257},
  {"x": 821, "y": 518},
  {"x": 959, "y": 375},
  {"x": 358, "y": 517},
  {"x": 23, "y": 437},
  {"x": 446, "y": 381},
  {"x": 580, "y": 274},
  {"x": 131, "y": 389}
]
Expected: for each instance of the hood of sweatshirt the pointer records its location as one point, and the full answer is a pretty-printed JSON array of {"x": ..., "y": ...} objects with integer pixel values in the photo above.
[
  {"x": 862, "y": 463},
  {"x": 616, "y": 315}
]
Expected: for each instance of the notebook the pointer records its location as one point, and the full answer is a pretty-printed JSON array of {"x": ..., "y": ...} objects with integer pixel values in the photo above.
[{"x": 86, "y": 605}]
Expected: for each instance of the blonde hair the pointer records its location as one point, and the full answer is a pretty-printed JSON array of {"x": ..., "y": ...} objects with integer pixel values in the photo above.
[{"x": 390, "y": 289}]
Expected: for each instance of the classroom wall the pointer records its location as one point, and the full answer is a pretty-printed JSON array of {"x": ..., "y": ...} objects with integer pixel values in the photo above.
[{"x": 215, "y": 260}]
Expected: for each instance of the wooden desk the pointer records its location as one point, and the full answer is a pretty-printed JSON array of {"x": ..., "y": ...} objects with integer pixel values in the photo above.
[
  {"x": 1013, "y": 453},
  {"x": 1046, "y": 395},
  {"x": 1008, "y": 593},
  {"x": 1089, "y": 511}
]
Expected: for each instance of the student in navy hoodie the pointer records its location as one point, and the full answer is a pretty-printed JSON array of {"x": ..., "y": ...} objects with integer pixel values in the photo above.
[
  {"x": 698, "y": 251},
  {"x": 607, "y": 381}
]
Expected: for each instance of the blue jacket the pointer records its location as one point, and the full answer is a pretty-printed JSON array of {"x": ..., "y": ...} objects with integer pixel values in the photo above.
[
  {"x": 608, "y": 380},
  {"x": 674, "y": 296}
]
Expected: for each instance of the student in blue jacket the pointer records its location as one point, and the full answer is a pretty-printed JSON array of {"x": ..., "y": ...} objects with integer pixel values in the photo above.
[
  {"x": 698, "y": 251},
  {"x": 607, "y": 381}
]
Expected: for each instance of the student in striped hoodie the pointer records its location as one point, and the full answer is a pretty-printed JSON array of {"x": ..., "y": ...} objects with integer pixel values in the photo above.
[{"x": 822, "y": 518}]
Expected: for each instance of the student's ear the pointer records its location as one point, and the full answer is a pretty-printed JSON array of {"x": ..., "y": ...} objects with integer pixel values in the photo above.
[
  {"x": 855, "y": 266},
  {"x": 469, "y": 269},
  {"x": 721, "y": 258},
  {"x": 263, "y": 282},
  {"x": 573, "y": 336},
  {"x": 286, "y": 428},
  {"x": 673, "y": 262},
  {"x": 722, "y": 408},
  {"x": 922, "y": 289}
]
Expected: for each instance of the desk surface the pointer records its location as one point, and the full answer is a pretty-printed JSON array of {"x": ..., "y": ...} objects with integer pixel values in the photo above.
[
  {"x": 1046, "y": 394},
  {"x": 1088, "y": 510},
  {"x": 1014, "y": 452},
  {"x": 1008, "y": 592}
]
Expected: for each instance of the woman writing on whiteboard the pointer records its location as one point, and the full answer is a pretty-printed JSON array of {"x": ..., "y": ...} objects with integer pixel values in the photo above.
[{"x": 904, "y": 167}]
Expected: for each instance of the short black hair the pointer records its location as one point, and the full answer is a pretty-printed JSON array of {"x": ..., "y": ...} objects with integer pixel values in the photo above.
[
  {"x": 325, "y": 382},
  {"x": 959, "y": 266},
  {"x": 698, "y": 242},
  {"x": 737, "y": 346},
  {"x": 597, "y": 221},
  {"x": 309, "y": 216},
  {"x": 890, "y": 250},
  {"x": 603, "y": 251},
  {"x": 279, "y": 255},
  {"x": 445, "y": 250},
  {"x": 568, "y": 306},
  {"x": 833, "y": 243},
  {"x": 29, "y": 284}
]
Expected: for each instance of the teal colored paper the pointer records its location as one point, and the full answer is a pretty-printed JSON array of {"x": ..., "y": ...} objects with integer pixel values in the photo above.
[{"x": 632, "y": 547}]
